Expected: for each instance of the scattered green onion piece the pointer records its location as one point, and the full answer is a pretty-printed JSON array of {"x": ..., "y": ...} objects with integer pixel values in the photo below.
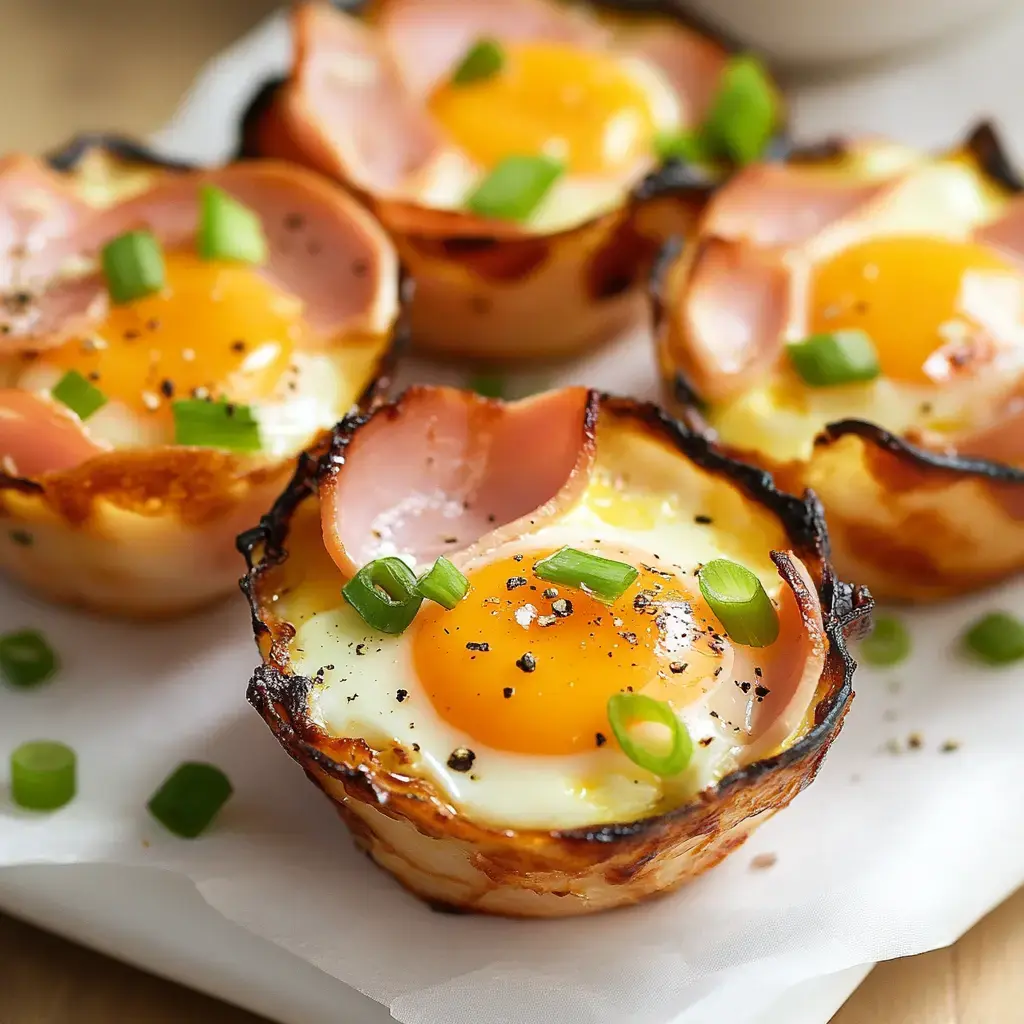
[
  {"x": 443, "y": 583},
  {"x": 515, "y": 188},
  {"x": 996, "y": 638},
  {"x": 81, "y": 397},
  {"x": 228, "y": 230},
  {"x": 744, "y": 111},
  {"x": 736, "y": 596},
  {"x": 490, "y": 385},
  {"x": 384, "y": 593},
  {"x": 842, "y": 357},
  {"x": 215, "y": 425},
  {"x": 689, "y": 146},
  {"x": 43, "y": 775},
  {"x": 628, "y": 709},
  {"x": 484, "y": 59},
  {"x": 888, "y": 643},
  {"x": 605, "y": 579},
  {"x": 26, "y": 659},
  {"x": 189, "y": 798},
  {"x": 133, "y": 265}
]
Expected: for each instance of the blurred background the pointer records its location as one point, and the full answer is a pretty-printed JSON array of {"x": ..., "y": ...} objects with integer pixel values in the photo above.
[{"x": 68, "y": 65}]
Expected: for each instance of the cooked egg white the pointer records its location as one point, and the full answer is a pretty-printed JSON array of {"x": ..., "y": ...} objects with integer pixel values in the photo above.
[
  {"x": 905, "y": 271},
  {"x": 537, "y": 759}
]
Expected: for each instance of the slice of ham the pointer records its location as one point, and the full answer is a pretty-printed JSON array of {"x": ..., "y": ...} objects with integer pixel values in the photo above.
[
  {"x": 39, "y": 436},
  {"x": 771, "y": 205},
  {"x": 444, "y": 468},
  {"x": 1003, "y": 441},
  {"x": 355, "y": 105},
  {"x": 1007, "y": 231},
  {"x": 731, "y": 316}
]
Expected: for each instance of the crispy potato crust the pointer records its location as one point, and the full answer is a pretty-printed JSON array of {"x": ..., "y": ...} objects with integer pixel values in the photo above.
[
  {"x": 409, "y": 828},
  {"x": 911, "y": 524},
  {"x": 484, "y": 290},
  {"x": 144, "y": 533}
]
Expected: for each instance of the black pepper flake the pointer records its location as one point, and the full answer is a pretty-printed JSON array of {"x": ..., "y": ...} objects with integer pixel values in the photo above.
[
  {"x": 461, "y": 759},
  {"x": 744, "y": 686},
  {"x": 703, "y": 520},
  {"x": 914, "y": 741},
  {"x": 628, "y": 636},
  {"x": 153, "y": 324},
  {"x": 21, "y": 537},
  {"x": 562, "y": 607},
  {"x": 451, "y": 540},
  {"x": 761, "y": 691},
  {"x": 167, "y": 388},
  {"x": 714, "y": 714},
  {"x": 949, "y": 746},
  {"x": 401, "y": 695},
  {"x": 360, "y": 268},
  {"x": 130, "y": 335},
  {"x": 294, "y": 221},
  {"x": 507, "y": 692},
  {"x": 600, "y": 739},
  {"x": 473, "y": 646},
  {"x": 515, "y": 581},
  {"x": 757, "y": 671},
  {"x": 515, "y": 558},
  {"x": 93, "y": 375},
  {"x": 360, "y": 649},
  {"x": 416, "y": 747},
  {"x": 527, "y": 662},
  {"x": 678, "y": 666},
  {"x": 707, "y": 741},
  {"x": 352, "y": 698},
  {"x": 238, "y": 346},
  {"x": 640, "y": 603},
  {"x": 718, "y": 671},
  {"x": 550, "y": 594}
]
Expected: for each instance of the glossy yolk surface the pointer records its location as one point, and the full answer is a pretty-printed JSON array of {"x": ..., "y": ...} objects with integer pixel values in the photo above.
[
  {"x": 908, "y": 294},
  {"x": 581, "y": 659},
  {"x": 580, "y": 107},
  {"x": 218, "y": 327}
]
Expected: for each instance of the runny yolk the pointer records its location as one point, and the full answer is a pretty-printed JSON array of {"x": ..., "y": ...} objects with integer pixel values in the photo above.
[
  {"x": 215, "y": 329},
  {"x": 912, "y": 296},
  {"x": 579, "y": 660},
  {"x": 582, "y": 108}
]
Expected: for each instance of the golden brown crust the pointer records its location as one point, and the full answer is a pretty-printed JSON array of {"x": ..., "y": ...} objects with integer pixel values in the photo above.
[
  {"x": 486, "y": 290},
  {"x": 909, "y": 523},
  {"x": 407, "y": 825},
  {"x": 144, "y": 533}
]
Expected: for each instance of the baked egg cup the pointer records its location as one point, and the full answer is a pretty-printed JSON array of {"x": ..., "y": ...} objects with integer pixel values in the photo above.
[
  {"x": 97, "y": 507},
  {"x": 919, "y": 464},
  {"x": 465, "y": 761},
  {"x": 380, "y": 102}
]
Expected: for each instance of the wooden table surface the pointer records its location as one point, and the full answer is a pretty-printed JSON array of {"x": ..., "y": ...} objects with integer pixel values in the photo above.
[{"x": 67, "y": 65}]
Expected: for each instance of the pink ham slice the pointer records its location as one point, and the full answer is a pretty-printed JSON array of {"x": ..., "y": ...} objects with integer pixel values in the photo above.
[
  {"x": 37, "y": 436},
  {"x": 443, "y": 468},
  {"x": 350, "y": 79},
  {"x": 1001, "y": 442}
]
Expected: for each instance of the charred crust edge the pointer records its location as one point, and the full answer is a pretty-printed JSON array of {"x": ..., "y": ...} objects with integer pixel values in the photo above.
[{"x": 282, "y": 698}]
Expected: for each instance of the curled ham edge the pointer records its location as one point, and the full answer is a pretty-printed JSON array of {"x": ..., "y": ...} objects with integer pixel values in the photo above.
[
  {"x": 729, "y": 298},
  {"x": 523, "y": 463},
  {"x": 41, "y": 216},
  {"x": 394, "y": 63}
]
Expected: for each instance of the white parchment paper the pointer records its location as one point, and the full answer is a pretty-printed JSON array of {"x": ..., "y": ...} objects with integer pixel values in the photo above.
[{"x": 897, "y": 848}]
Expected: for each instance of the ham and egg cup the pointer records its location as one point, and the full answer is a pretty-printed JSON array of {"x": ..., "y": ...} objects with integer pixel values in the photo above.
[
  {"x": 168, "y": 341},
  {"x": 503, "y": 145},
  {"x": 854, "y": 321},
  {"x": 547, "y": 657}
]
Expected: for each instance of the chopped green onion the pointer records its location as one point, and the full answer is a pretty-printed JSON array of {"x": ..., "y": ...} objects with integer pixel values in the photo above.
[
  {"x": 744, "y": 111},
  {"x": 888, "y": 643},
  {"x": 742, "y": 605},
  {"x": 26, "y": 659},
  {"x": 689, "y": 146},
  {"x": 490, "y": 385},
  {"x": 74, "y": 391},
  {"x": 605, "y": 579},
  {"x": 443, "y": 583},
  {"x": 215, "y": 425},
  {"x": 842, "y": 357},
  {"x": 228, "y": 230},
  {"x": 385, "y": 595},
  {"x": 189, "y": 798},
  {"x": 133, "y": 265},
  {"x": 43, "y": 775},
  {"x": 484, "y": 59},
  {"x": 996, "y": 638},
  {"x": 626, "y": 710},
  {"x": 515, "y": 188}
]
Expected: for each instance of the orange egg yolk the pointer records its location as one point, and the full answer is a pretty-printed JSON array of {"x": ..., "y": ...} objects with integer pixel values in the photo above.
[
  {"x": 907, "y": 294},
  {"x": 576, "y": 661},
  {"x": 215, "y": 329},
  {"x": 582, "y": 108}
]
